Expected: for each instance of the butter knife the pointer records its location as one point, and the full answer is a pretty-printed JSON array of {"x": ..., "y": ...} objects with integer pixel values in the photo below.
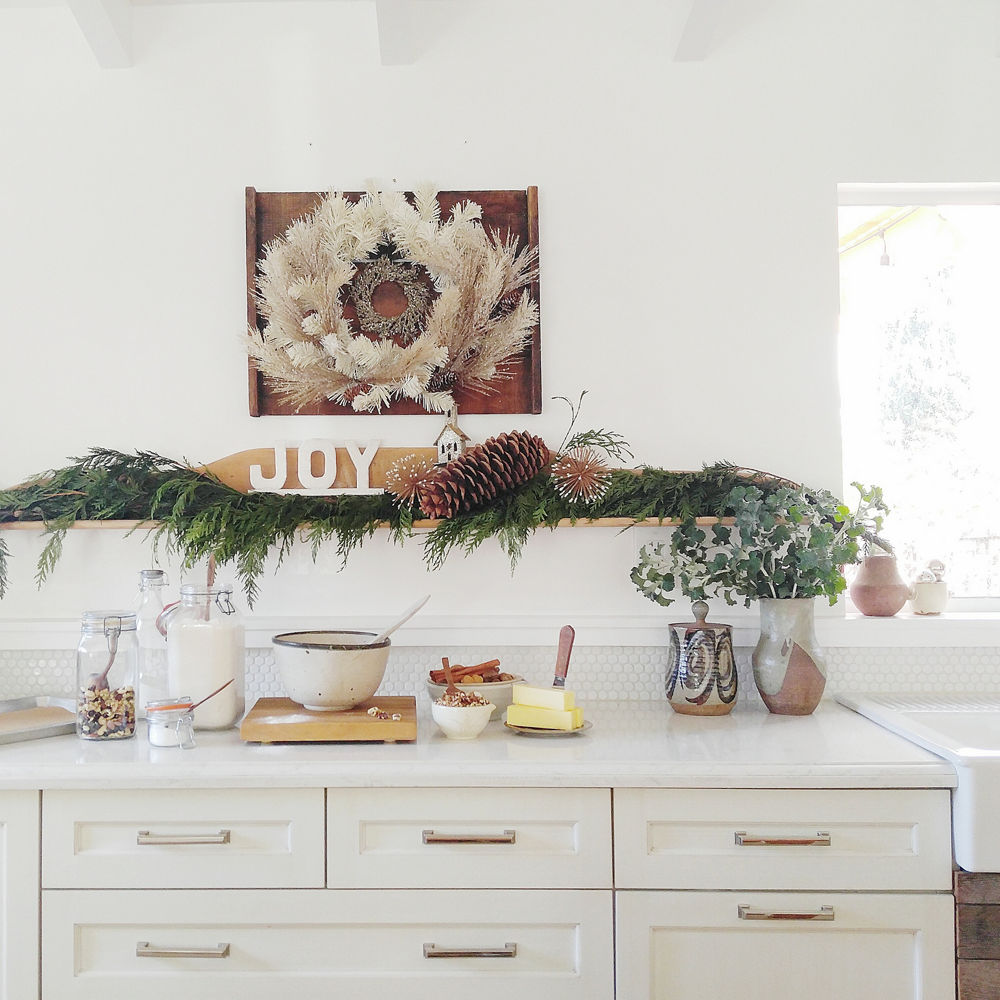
[{"x": 566, "y": 636}]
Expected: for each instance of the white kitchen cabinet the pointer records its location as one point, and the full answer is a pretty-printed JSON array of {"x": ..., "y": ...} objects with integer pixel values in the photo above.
[
  {"x": 767, "y": 838},
  {"x": 840, "y": 935},
  {"x": 527, "y": 838},
  {"x": 232, "y": 871},
  {"x": 193, "y": 838},
  {"x": 214, "y": 934},
  {"x": 19, "y": 895},
  {"x": 418, "y": 944},
  {"x": 873, "y": 946}
]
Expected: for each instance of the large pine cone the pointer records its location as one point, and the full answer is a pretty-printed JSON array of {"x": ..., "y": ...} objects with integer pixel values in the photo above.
[{"x": 482, "y": 473}]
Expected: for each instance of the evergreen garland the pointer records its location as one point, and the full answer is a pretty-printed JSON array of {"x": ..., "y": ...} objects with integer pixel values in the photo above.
[{"x": 197, "y": 516}]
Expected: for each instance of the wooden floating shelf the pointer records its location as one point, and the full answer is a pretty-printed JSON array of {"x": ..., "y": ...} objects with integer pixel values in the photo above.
[{"x": 597, "y": 522}]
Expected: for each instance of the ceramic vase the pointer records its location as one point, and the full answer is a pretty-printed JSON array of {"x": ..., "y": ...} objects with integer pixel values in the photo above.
[
  {"x": 877, "y": 589},
  {"x": 701, "y": 666},
  {"x": 788, "y": 665}
]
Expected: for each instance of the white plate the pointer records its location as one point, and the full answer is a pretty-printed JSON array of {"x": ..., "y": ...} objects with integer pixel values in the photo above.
[{"x": 531, "y": 731}]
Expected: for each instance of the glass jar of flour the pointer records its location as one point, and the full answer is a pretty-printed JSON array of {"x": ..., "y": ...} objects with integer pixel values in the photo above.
[{"x": 205, "y": 649}]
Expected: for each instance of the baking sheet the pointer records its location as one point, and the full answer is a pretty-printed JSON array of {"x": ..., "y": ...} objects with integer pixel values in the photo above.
[{"x": 35, "y": 718}]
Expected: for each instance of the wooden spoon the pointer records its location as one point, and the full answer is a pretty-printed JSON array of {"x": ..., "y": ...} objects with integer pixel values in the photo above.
[
  {"x": 191, "y": 706},
  {"x": 99, "y": 682},
  {"x": 449, "y": 677}
]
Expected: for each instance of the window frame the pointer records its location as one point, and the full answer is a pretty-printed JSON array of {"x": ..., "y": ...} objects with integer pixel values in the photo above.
[{"x": 922, "y": 194}]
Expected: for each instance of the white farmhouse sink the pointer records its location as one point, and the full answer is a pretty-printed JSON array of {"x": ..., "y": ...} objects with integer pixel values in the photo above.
[{"x": 965, "y": 730}]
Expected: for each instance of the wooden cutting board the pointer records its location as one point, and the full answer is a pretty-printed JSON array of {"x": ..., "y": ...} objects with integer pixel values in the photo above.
[{"x": 281, "y": 720}]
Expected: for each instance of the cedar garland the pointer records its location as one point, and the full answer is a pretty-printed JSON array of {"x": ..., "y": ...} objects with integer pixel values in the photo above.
[{"x": 197, "y": 516}]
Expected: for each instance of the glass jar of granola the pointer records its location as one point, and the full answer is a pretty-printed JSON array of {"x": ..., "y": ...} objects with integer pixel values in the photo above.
[{"x": 106, "y": 676}]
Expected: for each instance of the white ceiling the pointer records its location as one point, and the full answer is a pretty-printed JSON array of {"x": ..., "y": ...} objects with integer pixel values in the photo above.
[{"x": 107, "y": 25}]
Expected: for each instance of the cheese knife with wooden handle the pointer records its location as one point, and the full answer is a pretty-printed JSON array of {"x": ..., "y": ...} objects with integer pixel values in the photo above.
[{"x": 566, "y": 636}]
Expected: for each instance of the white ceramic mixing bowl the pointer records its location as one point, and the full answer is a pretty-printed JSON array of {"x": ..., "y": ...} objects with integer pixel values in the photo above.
[{"x": 329, "y": 671}]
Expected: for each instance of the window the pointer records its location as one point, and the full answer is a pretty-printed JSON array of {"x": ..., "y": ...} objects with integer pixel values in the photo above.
[{"x": 920, "y": 373}]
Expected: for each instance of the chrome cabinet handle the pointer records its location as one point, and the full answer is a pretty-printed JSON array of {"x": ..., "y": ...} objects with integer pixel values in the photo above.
[
  {"x": 747, "y": 912},
  {"x": 509, "y": 950},
  {"x": 433, "y": 837},
  {"x": 145, "y": 839},
  {"x": 744, "y": 839},
  {"x": 143, "y": 949}
]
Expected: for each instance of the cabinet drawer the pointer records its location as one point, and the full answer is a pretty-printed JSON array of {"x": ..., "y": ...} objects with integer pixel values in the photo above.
[
  {"x": 894, "y": 946},
  {"x": 783, "y": 839},
  {"x": 469, "y": 837},
  {"x": 313, "y": 943},
  {"x": 173, "y": 839}
]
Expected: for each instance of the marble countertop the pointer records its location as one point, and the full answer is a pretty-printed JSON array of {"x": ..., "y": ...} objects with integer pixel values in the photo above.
[{"x": 630, "y": 744}]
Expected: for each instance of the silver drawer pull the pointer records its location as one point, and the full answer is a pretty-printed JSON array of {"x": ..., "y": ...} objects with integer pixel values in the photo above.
[
  {"x": 509, "y": 950},
  {"x": 744, "y": 839},
  {"x": 143, "y": 949},
  {"x": 145, "y": 839},
  {"x": 433, "y": 837},
  {"x": 746, "y": 912}
]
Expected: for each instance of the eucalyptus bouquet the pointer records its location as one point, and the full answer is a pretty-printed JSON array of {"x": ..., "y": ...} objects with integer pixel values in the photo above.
[{"x": 788, "y": 542}]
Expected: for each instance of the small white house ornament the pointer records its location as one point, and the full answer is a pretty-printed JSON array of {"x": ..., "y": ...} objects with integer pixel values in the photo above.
[{"x": 452, "y": 440}]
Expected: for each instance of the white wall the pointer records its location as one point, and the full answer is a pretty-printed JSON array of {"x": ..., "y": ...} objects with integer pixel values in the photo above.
[{"x": 688, "y": 233}]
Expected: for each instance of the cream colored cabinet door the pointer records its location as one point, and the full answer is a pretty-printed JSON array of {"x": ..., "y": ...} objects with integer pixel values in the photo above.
[
  {"x": 19, "y": 895},
  {"x": 785, "y": 946},
  {"x": 261, "y": 945}
]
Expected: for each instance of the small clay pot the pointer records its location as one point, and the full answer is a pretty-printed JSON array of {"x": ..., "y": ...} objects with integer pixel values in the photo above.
[{"x": 877, "y": 589}]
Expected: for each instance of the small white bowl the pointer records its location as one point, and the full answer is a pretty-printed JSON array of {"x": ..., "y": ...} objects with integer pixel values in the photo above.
[
  {"x": 501, "y": 693},
  {"x": 461, "y": 722},
  {"x": 330, "y": 671}
]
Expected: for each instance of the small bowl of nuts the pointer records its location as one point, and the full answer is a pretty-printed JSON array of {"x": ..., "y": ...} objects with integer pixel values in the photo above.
[
  {"x": 463, "y": 715},
  {"x": 486, "y": 678}
]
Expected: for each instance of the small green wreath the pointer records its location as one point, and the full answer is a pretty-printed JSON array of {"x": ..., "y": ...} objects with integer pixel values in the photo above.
[{"x": 480, "y": 320}]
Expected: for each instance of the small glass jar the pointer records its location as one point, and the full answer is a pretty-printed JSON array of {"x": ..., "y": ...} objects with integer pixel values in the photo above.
[
  {"x": 205, "y": 649},
  {"x": 107, "y": 676},
  {"x": 170, "y": 723}
]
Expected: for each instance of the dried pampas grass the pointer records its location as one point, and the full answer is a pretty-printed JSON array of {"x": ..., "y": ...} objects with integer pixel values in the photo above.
[{"x": 481, "y": 319}]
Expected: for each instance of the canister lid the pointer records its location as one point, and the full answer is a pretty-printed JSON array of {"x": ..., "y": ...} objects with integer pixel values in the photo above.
[
  {"x": 700, "y": 611},
  {"x": 170, "y": 707},
  {"x": 99, "y": 621},
  {"x": 201, "y": 590}
]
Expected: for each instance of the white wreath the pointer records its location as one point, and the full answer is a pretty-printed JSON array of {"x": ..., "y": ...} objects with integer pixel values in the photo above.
[{"x": 482, "y": 317}]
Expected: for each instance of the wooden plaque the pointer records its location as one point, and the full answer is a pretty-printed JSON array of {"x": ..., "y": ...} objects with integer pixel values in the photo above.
[{"x": 268, "y": 216}]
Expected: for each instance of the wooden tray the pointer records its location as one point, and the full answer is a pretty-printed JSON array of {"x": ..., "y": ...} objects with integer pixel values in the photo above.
[
  {"x": 281, "y": 720},
  {"x": 269, "y": 214}
]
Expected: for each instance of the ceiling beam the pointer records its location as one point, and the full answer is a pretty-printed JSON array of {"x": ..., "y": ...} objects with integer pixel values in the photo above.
[
  {"x": 107, "y": 26},
  {"x": 695, "y": 28}
]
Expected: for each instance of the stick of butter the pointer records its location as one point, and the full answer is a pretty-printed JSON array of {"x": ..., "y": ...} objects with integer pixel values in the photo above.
[
  {"x": 540, "y": 697},
  {"x": 544, "y": 718}
]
